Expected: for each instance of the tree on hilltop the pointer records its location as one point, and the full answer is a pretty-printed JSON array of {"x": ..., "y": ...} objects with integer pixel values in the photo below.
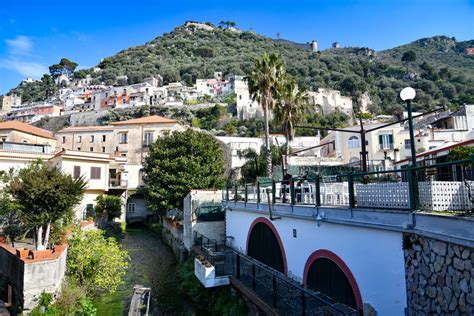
[{"x": 408, "y": 57}]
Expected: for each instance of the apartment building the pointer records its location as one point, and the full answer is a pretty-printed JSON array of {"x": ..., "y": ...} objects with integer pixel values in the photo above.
[
  {"x": 383, "y": 146},
  {"x": 16, "y": 135},
  {"x": 22, "y": 144},
  {"x": 34, "y": 112},
  {"x": 129, "y": 139}
]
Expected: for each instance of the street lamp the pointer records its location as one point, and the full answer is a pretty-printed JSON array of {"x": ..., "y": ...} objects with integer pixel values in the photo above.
[{"x": 408, "y": 94}]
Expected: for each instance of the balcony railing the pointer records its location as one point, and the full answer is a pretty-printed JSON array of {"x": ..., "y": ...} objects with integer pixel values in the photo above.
[
  {"x": 277, "y": 290},
  {"x": 115, "y": 183},
  {"x": 447, "y": 186}
]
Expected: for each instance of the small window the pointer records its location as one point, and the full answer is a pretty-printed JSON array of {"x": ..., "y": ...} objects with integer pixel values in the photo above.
[
  {"x": 103, "y": 149},
  {"x": 78, "y": 148},
  {"x": 95, "y": 173},
  {"x": 131, "y": 207},
  {"x": 91, "y": 149},
  {"x": 79, "y": 139},
  {"x": 77, "y": 172},
  {"x": 124, "y": 154},
  {"x": 407, "y": 144},
  {"x": 92, "y": 138},
  {"x": 64, "y": 139},
  {"x": 354, "y": 142},
  {"x": 123, "y": 138},
  {"x": 104, "y": 137},
  {"x": 148, "y": 139}
]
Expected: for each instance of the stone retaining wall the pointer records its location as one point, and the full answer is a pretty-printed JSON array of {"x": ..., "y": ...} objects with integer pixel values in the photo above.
[{"x": 439, "y": 277}]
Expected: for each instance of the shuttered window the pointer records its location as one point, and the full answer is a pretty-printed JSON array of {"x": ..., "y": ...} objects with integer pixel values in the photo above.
[
  {"x": 77, "y": 172},
  {"x": 95, "y": 173}
]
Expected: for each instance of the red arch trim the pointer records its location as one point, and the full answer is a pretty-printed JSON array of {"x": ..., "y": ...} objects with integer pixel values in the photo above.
[
  {"x": 323, "y": 253},
  {"x": 275, "y": 232}
]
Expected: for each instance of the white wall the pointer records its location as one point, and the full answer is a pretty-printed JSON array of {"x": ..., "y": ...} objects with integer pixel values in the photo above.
[{"x": 375, "y": 257}]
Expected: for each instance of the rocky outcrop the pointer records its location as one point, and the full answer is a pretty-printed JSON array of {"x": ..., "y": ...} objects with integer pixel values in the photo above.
[{"x": 439, "y": 277}]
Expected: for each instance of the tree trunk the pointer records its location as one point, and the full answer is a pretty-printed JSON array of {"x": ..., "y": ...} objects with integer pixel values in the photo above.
[
  {"x": 268, "y": 154},
  {"x": 287, "y": 150},
  {"x": 39, "y": 236},
  {"x": 46, "y": 235}
]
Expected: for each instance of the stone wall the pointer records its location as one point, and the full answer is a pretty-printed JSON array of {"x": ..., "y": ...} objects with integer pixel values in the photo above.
[{"x": 439, "y": 277}]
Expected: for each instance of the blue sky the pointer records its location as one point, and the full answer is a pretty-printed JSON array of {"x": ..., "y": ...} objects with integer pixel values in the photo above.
[{"x": 35, "y": 34}]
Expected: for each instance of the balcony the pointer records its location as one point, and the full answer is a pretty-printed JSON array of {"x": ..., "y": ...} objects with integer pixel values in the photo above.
[{"x": 118, "y": 184}]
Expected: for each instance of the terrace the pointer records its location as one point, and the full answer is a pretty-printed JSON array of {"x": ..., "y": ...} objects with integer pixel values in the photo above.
[{"x": 433, "y": 199}]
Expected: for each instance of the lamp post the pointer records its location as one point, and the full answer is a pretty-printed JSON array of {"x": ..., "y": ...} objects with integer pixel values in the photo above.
[{"x": 408, "y": 94}]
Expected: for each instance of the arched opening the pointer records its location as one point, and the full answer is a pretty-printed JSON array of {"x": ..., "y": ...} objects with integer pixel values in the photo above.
[
  {"x": 325, "y": 272},
  {"x": 264, "y": 245}
]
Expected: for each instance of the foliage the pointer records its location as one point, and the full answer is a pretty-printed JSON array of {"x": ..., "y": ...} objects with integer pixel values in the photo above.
[
  {"x": 64, "y": 67},
  {"x": 290, "y": 109},
  {"x": 254, "y": 165},
  {"x": 263, "y": 81},
  {"x": 95, "y": 262},
  {"x": 73, "y": 300},
  {"x": 45, "y": 194},
  {"x": 179, "y": 162},
  {"x": 172, "y": 55},
  {"x": 108, "y": 206},
  {"x": 335, "y": 119},
  {"x": 460, "y": 153},
  {"x": 10, "y": 220},
  {"x": 217, "y": 301}
]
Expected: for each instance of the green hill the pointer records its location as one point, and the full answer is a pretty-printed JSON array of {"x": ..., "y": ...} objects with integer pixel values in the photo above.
[{"x": 442, "y": 74}]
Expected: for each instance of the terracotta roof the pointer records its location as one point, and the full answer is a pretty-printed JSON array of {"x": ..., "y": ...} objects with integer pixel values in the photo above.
[
  {"x": 146, "y": 120},
  {"x": 26, "y": 128},
  {"x": 86, "y": 129}
]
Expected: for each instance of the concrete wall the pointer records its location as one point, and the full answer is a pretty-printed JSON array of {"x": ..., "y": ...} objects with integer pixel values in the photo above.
[
  {"x": 30, "y": 277},
  {"x": 43, "y": 276},
  {"x": 375, "y": 257},
  {"x": 213, "y": 230}
]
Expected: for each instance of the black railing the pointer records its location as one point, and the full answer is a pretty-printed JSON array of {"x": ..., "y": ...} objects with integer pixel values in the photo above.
[
  {"x": 277, "y": 290},
  {"x": 410, "y": 188}
]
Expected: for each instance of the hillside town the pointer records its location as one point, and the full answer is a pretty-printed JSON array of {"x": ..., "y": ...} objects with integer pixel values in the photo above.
[{"x": 256, "y": 192}]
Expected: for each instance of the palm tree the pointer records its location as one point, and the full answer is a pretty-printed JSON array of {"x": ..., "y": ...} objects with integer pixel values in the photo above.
[
  {"x": 263, "y": 81},
  {"x": 291, "y": 103}
]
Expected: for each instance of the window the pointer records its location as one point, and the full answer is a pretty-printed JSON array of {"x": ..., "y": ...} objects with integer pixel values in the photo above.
[
  {"x": 95, "y": 173},
  {"x": 407, "y": 144},
  {"x": 240, "y": 97},
  {"x": 123, "y": 154},
  {"x": 123, "y": 100},
  {"x": 131, "y": 207},
  {"x": 386, "y": 141},
  {"x": 148, "y": 139},
  {"x": 103, "y": 149},
  {"x": 79, "y": 139},
  {"x": 353, "y": 142},
  {"x": 64, "y": 139},
  {"x": 78, "y": 148},
  {"x": 77, "y": 172},
  {"x": 92, "y": 138},
  {"x": 91, "y": 149},
  {"x": 104, "y": 137},
  {"x": 123, "y": 138}
]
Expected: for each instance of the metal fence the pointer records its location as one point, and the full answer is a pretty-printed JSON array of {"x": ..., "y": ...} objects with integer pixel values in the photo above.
[
  {"x": 447, "y": 186},
  {"x": 274, "y": 288}
]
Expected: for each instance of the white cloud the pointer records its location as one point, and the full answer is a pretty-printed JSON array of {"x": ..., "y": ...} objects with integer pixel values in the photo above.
[
  {"x": 20, "y": 45},
  {"x": 25, "y": 68}
]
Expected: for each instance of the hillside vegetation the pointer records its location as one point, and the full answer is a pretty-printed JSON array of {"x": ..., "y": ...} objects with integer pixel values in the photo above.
[{"x": 441, "y": 73}]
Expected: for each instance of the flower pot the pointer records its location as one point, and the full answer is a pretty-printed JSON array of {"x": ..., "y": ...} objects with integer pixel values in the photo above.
[
  {"x": 22, "y": 253},
  {"x": 41, "y": 254},
  {"x": 59, "y": 248}
]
